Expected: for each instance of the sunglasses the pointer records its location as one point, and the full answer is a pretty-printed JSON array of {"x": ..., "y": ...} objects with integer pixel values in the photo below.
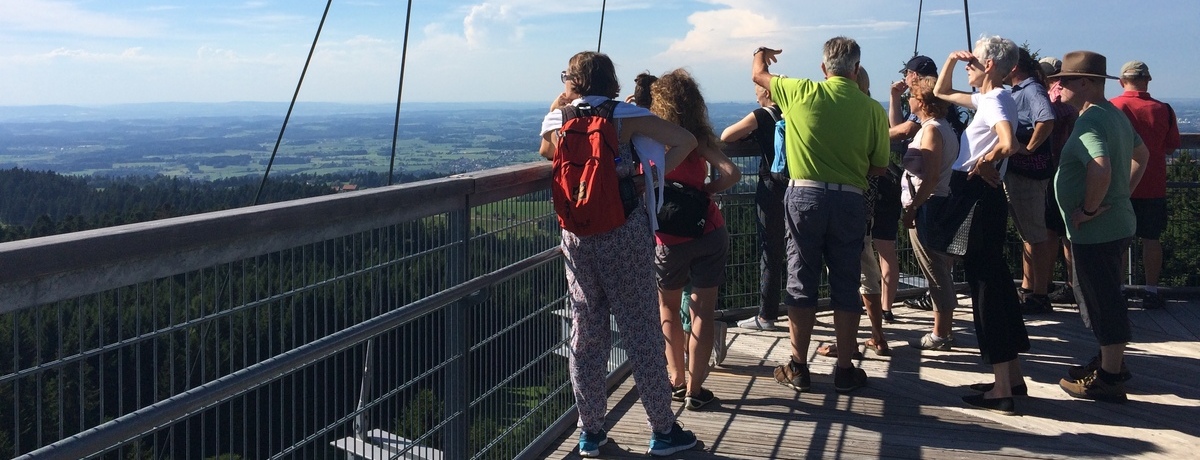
[{"x": 564, "y": 76}]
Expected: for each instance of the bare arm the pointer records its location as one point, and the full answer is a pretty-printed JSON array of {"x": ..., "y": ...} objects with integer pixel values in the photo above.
[
  {"x": 1041, "y": 133},
  {"x": 904, "y": 130},
  {"x": 1141, "y": 155},
  {"x": 944, "y": 88},
  {"x": 728, "y": 173},
  {"x": 741, "y": 129},
  {"x": 550, "y": 138},
  {"x": 678, "y": 141},
  {"x": 763, "y": 59},
  {"x": 1099, "y": 176},
  {"x": 985, "y": 167},
  {"x": 931, "y": 165}
]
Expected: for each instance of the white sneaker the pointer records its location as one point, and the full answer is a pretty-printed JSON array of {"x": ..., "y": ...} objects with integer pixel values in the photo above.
[
  {"x": 720, "y": 331},
  {"x": 756, "y": 323}
]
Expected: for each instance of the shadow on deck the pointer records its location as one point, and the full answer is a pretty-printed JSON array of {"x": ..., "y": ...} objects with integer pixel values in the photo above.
[{"x": 911, "y": 406}]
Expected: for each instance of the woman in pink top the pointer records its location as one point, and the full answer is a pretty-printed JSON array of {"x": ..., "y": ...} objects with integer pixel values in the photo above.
[{"x": 700, "y": 262}]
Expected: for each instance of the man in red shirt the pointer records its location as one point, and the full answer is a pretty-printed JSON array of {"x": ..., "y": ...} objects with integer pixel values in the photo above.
[{"x": 1155, "y": 122}]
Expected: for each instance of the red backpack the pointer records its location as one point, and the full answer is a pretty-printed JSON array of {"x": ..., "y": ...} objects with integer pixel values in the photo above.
[{"x": 586, "y": 192}]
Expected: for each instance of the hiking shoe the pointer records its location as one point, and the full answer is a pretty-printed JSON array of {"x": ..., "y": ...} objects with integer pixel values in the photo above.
[
  {"x": 756, "y": 323},
  {"x": 1091, "y": 386},
  {"x": 923, "y": 302},
  {"x": 679, "y": 393},
  {"x": 1079, "y": 372},
  {"x": 696, "y": 401},
  {"x": 927, "y": 342},
  {"x": 720, "y": 347},
  {"x": 1152, "y": 301},
  {"x": 1023, "y": 293},
  {"x": 589, "y": 443},
  {"x": 793, "y": 375},
  {"x": 1063, "y": 294},
  {"x": 1035, "y": 304},
  {"x": 676, "y": 440},
  {"x": 848, "y": 379}
]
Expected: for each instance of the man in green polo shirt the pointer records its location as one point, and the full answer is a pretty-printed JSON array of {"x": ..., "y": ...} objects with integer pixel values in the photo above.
[{"x": 836, "y": 136}]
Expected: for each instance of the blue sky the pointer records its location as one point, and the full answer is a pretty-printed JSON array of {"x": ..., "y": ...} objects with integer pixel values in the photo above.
[{"x": 91, "y": 52}]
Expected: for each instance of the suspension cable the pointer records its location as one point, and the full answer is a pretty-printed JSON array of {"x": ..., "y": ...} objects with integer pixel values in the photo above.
[
  {"x": 400, "y": 91},
  {"x": 967, "y": 15},
  {"x": 600, "y": 39},
  {"x": 293, "y": 104},
  {"x": 917, "y": 40}
]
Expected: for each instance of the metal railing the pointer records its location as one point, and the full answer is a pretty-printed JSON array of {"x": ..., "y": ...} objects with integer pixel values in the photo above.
[{"x": 425, "y": 320}]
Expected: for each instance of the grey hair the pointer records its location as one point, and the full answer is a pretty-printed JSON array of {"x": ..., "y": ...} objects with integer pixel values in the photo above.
[
  {"x": 840, "y": 56},
  {"x": 1002, "y": 52}
]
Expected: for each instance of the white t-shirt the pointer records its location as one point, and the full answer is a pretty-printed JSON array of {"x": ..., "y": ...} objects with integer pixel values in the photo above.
[
  {"x": 979, "y": 138},
  {"x": 915, "y": 169}
]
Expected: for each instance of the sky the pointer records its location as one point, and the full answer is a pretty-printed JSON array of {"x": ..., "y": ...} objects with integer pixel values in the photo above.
[{"x": 97, "y": 52}]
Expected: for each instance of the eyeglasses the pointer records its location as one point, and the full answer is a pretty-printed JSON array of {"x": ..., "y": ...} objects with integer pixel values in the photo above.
[
  {"x": 564, "y": 76},
  {"x": 906, "y": 95}
]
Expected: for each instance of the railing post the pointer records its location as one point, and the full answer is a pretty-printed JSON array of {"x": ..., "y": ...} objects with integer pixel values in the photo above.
[{"x": 456, "y": 437}]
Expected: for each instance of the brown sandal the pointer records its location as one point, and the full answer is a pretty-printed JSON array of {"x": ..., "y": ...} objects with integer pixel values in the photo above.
[
  {"x": 831, "y": 351},
  {"x": 881, "y": 349}
]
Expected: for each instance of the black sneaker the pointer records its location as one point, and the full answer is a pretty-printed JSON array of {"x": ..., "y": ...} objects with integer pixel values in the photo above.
[
  {"x": 793, "y": 375},
  {"x": 1064, "y": 294},
  {"x": 1152, "y": 301},
  {"x": 1079, "y": 372},
  {"x": 679, "y": 393},
  {"x": 889, "y": 317},
  {"x": 1036, "y": 305},
  {"x": 923, "y": 302},
  {"x": 698, "y": 400},
  {"x": 848, "y": 379}
]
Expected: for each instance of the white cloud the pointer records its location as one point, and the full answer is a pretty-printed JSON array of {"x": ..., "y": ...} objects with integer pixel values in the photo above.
[{"x": 42, "y": 16}]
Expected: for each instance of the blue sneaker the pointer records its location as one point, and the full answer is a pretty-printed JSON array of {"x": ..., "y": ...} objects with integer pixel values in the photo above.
[
  {"x": 589, "y": 443},
  {"x": 672, "y": 441}
]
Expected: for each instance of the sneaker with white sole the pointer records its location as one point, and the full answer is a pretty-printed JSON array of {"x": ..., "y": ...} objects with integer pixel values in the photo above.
[
  {"x": 756, "y": 323},
  {"x": 589, "y": 443},
  {"x": 676, "y": 440},
  {"x": 927, "y": 342}
]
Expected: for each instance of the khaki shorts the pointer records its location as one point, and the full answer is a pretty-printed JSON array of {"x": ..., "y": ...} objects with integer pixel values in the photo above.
[
  {"x": 871, "y": 279},
  {"x": 1027, "y": 206}
]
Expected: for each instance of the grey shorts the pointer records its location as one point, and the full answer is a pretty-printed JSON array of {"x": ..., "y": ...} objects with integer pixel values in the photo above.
[
  {"x": 826, "y": 229},
  {"x": 1027, "y": 206},
  {"x": 699, "y": 262}
]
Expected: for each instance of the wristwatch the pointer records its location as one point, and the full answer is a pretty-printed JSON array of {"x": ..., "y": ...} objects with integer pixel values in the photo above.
[
  {"x": 759, "y": 50},
  {"x": 1086, "y": 213}
]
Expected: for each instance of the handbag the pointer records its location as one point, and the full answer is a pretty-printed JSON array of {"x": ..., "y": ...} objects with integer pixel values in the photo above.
[{"x": 684, "y": 210}]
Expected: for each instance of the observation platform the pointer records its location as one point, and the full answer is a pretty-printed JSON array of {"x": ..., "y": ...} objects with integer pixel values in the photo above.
[{"x": 911, "y": 406}]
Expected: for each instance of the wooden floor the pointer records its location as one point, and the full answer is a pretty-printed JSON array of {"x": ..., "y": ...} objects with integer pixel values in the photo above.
[{"x": 911, "y": 407}]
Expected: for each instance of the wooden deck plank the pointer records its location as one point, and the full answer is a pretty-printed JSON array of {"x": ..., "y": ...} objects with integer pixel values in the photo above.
[{"x": 911, "y": 407}]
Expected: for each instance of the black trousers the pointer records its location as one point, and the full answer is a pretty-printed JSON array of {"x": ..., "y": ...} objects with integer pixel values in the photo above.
[
  {"x": 771, "y": 244},
  {"x": 994, "y": 302}
]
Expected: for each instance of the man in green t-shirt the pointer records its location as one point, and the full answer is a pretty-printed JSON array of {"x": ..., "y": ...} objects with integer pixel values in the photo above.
[
  {"x": 835, "y": 136},
  {"x": 1101, "y": 163}
]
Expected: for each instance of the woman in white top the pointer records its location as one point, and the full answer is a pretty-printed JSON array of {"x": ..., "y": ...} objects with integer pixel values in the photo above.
[
  {"x": 975, "y": 182},
  {"x": 924, "y": 189}
]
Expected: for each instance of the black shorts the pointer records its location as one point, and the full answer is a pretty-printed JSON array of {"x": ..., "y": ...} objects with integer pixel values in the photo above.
[
  {"x": 886, "y": 222},
  {"x": 1054, "y": 220},
  {"x": 1151, "y": 216}
]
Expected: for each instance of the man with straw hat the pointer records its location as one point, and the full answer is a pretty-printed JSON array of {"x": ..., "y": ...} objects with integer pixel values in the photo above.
[{"x": 1101, "y": 163}]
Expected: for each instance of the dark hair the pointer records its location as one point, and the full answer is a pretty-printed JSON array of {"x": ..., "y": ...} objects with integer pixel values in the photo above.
[
  {"x": 593, "y": 74},
  {"x": 1030, "y": 66},
  {"x": 677, "y": 99},
  {"x": 641, "y": 89}
]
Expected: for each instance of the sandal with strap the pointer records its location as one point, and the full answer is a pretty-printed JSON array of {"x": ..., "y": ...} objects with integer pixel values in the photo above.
[
  {"x": 831, "y": 351},
  {"x": 880, "y": 348}
]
